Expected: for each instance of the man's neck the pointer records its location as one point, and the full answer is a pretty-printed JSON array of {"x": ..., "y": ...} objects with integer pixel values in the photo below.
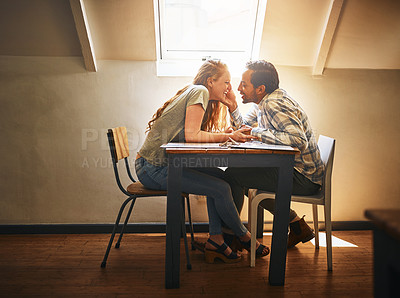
[{"x": 261, "y": 97}]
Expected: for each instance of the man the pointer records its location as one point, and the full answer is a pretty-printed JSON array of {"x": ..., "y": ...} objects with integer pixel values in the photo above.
[{"x": 276, "y": 119}]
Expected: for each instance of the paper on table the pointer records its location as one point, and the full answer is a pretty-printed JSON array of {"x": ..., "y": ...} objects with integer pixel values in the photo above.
[
  {"x": 261, "y": 145},
  {"x": 191, "y": 145},
  {"x": 246, "y": 145}
]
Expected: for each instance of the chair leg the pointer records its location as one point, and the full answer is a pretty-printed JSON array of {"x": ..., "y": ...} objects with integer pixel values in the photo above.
[
  {"x": 103, "y": 263},
  {"x": 260, "y": 222},
  {"x": 125, "y": 223},
  {"x": 253, "y": 231},
  {"x": 316, "y": 226},
  {"x": 251, "y": 194},
  {"x": 190, "y": 223},
  {"x": 188, "y": 265},
  {"x": 328, "y": 232}
]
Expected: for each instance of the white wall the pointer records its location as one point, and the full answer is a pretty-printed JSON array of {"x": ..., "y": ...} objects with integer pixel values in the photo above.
[{"x": 55, "y": 165}]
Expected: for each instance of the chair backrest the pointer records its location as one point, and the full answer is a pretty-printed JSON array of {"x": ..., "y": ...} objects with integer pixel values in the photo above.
[
  {"x": 327, "y": 149},
  {"x": 118, "y": 141}
]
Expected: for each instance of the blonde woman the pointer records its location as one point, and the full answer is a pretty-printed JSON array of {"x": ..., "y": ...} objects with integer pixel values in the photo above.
[{"x": 196, "y": 114}]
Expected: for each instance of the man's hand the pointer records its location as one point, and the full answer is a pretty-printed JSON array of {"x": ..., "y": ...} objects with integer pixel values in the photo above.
[
  {"x": 230, "y": 99},
  {"x": 243, "y": 134},
  {"x": 246, "y": 129}
]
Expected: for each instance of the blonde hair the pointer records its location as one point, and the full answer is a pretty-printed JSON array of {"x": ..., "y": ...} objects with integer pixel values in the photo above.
[{"x": 214, "y": 119}]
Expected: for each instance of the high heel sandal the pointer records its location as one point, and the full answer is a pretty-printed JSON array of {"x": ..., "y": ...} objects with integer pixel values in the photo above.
[
  {"x": 233, "y": 242},
  {"x": 259, "y": 251},
  {"x": 219, "y": 253}
]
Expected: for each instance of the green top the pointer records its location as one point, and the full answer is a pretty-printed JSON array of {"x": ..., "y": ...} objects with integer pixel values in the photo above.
[{"x": 170, "y": 127}]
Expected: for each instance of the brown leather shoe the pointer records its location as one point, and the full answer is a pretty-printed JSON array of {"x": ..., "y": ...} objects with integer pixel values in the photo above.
[{"x": 299, "y": 231}]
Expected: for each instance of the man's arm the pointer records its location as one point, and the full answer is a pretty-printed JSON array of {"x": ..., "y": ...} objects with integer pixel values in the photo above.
[
  {"x": 284, "y": 126},
  {"x": 249, "y": 119},
  {"x": 237, "y": 120}
]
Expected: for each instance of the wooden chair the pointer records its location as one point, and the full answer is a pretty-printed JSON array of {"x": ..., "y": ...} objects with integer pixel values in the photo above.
[
  {"x": 323, "y": 197},
  {"x": 118, "y": 142}
]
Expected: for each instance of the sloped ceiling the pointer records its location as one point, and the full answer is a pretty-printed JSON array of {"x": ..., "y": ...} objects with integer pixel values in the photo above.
[
  {"x": 37, "y": 28},
  {"x": 122, "y": 30},
  {"x": 367, "y": 33}
]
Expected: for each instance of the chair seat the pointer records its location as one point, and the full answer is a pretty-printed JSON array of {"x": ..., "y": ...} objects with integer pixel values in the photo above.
[
  {"x": 317, "y": 198},
  {"x": 137, "y": 188}
]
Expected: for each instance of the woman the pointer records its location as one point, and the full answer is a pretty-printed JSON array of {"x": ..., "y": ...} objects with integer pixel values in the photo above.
[{"x": 196, "y": 114}]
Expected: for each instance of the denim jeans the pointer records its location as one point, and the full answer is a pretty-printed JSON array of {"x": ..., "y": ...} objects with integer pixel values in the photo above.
[
  {"x": 241, "y": 179},
  {"x": 200, "y": 181}
]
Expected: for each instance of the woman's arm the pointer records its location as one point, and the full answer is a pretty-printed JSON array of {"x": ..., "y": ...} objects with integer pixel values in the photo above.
[{"x": 194, "y": 134}]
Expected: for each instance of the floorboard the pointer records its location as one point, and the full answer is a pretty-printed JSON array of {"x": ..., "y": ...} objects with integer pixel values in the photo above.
[{"x": 69, "y": 266}]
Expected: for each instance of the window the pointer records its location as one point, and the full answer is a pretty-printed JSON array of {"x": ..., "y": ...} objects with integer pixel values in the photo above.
[{"x": 190, "y": 31}]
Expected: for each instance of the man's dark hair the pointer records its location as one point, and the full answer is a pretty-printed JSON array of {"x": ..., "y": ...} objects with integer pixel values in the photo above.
[{"x": 264, "y": 74}]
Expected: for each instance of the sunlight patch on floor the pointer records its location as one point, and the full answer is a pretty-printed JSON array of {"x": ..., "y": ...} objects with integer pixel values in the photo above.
[{"x": 336, "y": 242}]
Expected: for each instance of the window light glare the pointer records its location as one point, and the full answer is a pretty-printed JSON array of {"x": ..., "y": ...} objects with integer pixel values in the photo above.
[
  {"x": 189, "y": 31},
  {"x": 207, "y": 25},
  {"x": 336, "y": 242}
]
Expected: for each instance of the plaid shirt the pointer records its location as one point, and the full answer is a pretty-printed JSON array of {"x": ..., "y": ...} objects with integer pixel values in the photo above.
[{"x": 280, "y": 120}]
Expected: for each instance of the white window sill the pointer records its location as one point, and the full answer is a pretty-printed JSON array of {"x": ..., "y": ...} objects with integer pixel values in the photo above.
[
  {"x": 178, "y": 68},
  {"x": 189, "y": 68}
]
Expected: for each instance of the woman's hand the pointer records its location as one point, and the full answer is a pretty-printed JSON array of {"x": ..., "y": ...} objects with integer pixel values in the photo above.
[
  {"x": 242, "y": 134},
  {"x": 246, "y": 129}
]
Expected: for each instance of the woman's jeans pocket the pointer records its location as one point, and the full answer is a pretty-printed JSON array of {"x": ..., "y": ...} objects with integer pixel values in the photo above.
[{"x": 151, "y": 176}]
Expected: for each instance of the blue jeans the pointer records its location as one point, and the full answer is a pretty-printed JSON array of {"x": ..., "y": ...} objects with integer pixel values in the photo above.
[
  {"x": 241, "y": 179},
  {"x": 200, "y": 181}
]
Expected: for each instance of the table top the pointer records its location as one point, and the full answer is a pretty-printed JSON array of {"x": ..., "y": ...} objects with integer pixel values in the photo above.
[
  {"x": 215, "y": 148},
  {"x": 386, "y": 219}
]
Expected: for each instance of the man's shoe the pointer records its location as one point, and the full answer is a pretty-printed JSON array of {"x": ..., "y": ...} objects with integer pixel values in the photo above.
[{"x": 299, "y": 231}]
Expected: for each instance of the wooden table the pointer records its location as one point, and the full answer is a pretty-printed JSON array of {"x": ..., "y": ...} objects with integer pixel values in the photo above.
[
  {"x": 386, "y": 251},
  {"x": 182, "y": 156}
]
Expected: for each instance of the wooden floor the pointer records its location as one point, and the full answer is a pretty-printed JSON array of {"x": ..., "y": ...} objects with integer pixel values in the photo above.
[{"x": 69, "y": 266}]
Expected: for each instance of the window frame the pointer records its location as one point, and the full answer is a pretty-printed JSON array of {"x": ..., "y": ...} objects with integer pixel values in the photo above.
[{"x": 189, "y": 67}]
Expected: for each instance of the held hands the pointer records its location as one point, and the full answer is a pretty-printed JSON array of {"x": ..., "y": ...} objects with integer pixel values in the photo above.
[{"x": 242, "y": 134}]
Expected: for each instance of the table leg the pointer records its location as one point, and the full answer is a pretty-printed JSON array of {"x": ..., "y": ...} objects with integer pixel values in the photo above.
[
  {"x": 277, "y": 264},
  {"x": 386, "y": 264},
  {"x": 172, "y": 254}
]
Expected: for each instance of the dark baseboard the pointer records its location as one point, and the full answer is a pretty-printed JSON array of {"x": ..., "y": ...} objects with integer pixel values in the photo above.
[
  {"x": 141, "y": 228},
  {"x": 351, "y": 225},
  {"x": 92, "y": 228}
]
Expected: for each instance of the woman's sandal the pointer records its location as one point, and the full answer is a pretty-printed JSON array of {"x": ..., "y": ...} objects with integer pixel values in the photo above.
[
  {"x": 259, "y": 251},
  {"x": 233, "y": 242},
  {"x": 219, "y": 253}
]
